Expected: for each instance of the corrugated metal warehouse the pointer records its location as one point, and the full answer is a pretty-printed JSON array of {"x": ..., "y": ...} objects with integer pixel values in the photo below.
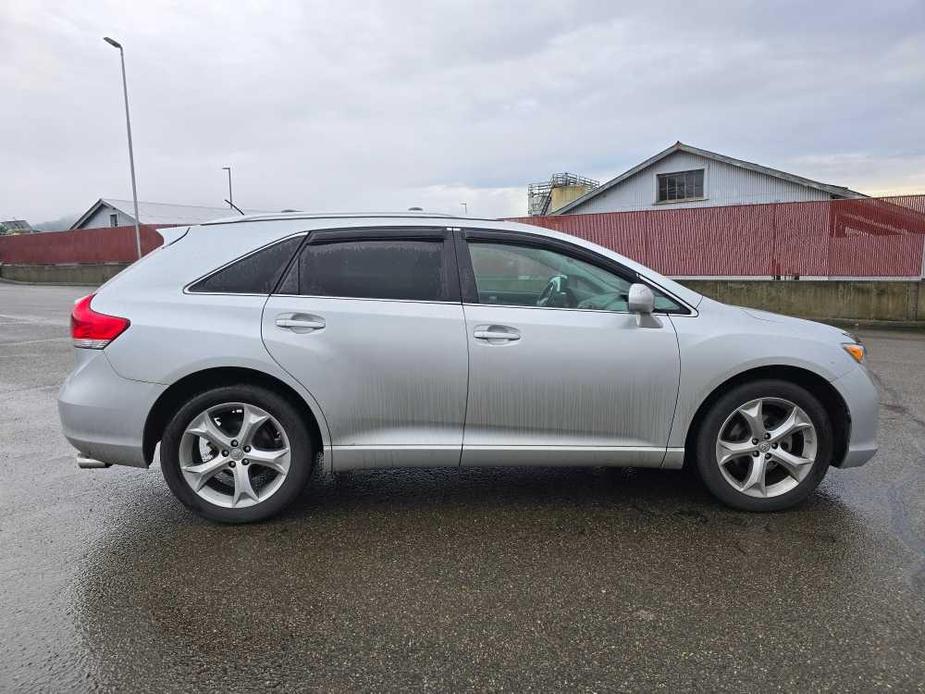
[
  {"x": 685, "y": 176},
  {"x": 109, "y": 212}
]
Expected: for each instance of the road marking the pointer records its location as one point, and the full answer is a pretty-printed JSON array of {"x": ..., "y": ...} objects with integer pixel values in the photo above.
[
  {"x": 32, "y": 319},
  {"x": 33, "y": 342}
]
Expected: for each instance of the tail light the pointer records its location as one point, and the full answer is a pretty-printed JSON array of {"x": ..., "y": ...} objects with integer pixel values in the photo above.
[{"x": 92, "y": 330}]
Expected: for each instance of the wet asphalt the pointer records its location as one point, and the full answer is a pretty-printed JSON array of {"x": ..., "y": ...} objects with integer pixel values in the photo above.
[{"x": 514, "y": 579}]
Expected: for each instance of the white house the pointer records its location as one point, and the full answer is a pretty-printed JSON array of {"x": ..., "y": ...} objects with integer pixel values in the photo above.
[
  {"x": 109, "y": 212},
  {"x": 685, "y": 176}
]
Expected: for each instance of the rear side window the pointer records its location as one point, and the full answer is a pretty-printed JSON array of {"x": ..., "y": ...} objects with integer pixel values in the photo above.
[
  {"x": 401, "y": 269},
  {"x": 256, "y": 273}
]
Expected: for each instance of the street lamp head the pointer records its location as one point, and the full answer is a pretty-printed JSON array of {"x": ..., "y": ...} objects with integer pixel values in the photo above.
[{"x": 112, "y": 42}]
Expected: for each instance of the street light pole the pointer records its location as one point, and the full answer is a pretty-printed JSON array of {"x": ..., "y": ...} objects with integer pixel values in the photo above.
[
  {"x": 230, "y": 197},
  {"x": 465, "y": 206},
  {"x": 131, "y": 154}
]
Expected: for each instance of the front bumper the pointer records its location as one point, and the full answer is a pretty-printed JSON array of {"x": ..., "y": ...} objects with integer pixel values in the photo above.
[
  {"x": 103, "y": 415},
  {"x": 863, "y": 400}
]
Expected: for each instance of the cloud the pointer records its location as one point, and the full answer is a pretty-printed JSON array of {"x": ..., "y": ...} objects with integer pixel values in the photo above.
[
  {"x": 366, "y": 105},
  {"x": 900, "y": 174}
]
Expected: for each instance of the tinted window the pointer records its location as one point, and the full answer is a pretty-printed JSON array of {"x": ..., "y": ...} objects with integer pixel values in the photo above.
[
  {"x": 514, "y": 275},
  {"x": 374, "y": 269},
  {"x": 257, "y": 273}
]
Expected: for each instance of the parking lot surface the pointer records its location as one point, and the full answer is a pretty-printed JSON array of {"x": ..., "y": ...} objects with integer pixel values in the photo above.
[{"x": 514, "y": 579}]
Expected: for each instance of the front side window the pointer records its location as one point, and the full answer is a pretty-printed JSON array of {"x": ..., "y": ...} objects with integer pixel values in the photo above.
[
  {"x": 515, "y": 275},
  {"x": 113, "y": 220},
  {"x": 256, "y": 273},
  {"x": 681, "y": 185},
  {"x": 398, "y": 269}
]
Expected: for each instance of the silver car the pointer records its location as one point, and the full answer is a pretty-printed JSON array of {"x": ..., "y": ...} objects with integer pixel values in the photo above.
[{"x": 245, "y": 351}]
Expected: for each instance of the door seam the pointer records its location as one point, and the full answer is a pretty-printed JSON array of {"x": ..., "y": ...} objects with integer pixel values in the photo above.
[
  {"x": 462, "y": 443},
  {"x": 677, "y": 396}
]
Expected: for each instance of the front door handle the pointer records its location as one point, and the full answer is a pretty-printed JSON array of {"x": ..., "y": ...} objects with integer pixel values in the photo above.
[
  {"x": 496, "y": 334},
  {"x": 299, "y": 322}
]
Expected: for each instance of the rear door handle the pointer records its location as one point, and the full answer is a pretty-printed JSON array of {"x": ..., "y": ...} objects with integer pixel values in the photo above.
[
  {"x": 299, "y": 322},
  {"x": 496, "y": 334}
]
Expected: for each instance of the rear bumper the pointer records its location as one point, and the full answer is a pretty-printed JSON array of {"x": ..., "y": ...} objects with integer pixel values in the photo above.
[
  {"x": 102, "y": 414},
  {"x": 860, "y": 394}
]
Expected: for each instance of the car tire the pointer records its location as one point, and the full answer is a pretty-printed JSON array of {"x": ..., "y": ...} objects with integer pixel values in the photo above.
[
  {"x": 282, "y": 434},
  {"x": 730, "y": 428}
]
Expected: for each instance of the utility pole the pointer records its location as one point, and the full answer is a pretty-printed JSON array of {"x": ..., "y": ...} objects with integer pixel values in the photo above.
[{"x": 128, "y": 127}]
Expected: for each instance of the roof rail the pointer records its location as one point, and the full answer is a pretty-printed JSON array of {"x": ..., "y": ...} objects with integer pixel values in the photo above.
[{"x": 333, "y": 215}]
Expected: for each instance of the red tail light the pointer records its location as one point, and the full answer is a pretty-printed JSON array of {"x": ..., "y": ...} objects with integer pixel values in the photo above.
[{"x": 92, "y": 330}]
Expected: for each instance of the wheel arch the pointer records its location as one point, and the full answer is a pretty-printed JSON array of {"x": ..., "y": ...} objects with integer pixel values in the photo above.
[
  {"x": 197, "y": 382},
  {"x": 828, "y": 395}
]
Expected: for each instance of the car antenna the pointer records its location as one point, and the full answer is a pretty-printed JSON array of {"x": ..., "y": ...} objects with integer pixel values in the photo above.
[{"x": 236, "y": 207}]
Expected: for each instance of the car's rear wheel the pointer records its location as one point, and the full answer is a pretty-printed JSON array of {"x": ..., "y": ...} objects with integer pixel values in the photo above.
[
  {"x": 236, "y": 454},
  {"x": 764, "y": 446}
]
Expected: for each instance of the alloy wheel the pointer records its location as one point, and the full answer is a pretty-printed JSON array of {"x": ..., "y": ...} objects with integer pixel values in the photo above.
[
  {"x": 234, "y": 455},
  {"x": 766, "y": 447}
]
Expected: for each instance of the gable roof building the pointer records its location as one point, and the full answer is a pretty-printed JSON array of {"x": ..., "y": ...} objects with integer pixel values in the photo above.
[
  {"x": 12, "y": 227},
  {"x": 686, "y": 176},
  {"x": 110, "y": 212}
]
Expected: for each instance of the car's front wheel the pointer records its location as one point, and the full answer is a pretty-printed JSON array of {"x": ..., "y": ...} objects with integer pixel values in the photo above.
[
  {"x": 764, "y": 445},
  {"x": 236, "y": 454}
]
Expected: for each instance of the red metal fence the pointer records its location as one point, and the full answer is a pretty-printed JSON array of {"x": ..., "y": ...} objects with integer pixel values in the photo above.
[
  {"x": 866, "y": 237},
  {"x": 83, "y": 246}
]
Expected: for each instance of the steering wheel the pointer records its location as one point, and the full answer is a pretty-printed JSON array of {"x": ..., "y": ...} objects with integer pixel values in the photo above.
[{"x": 556, "y": 293}]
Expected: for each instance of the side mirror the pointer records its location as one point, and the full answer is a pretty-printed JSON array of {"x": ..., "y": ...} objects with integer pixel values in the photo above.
[{"x": 641, "y": 299}]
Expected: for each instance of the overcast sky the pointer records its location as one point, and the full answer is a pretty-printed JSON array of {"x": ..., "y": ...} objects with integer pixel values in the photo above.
[{"x": 358, "y": 105}]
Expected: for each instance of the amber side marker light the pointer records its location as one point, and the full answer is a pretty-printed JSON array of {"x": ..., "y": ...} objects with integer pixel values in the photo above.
[{"x": 855, "y": 350}]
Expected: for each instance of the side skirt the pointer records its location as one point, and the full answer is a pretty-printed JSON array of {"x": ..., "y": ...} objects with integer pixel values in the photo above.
[
  {"x": 570, "y": 456},
  {"x": 385, "y": 456}
]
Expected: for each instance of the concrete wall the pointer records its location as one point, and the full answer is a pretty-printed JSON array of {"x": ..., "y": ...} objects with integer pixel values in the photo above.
[
  {"x": 723, "y": 184},
  {"x": 88, "y": 274},
  {"x": 861, "y": 300}
]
